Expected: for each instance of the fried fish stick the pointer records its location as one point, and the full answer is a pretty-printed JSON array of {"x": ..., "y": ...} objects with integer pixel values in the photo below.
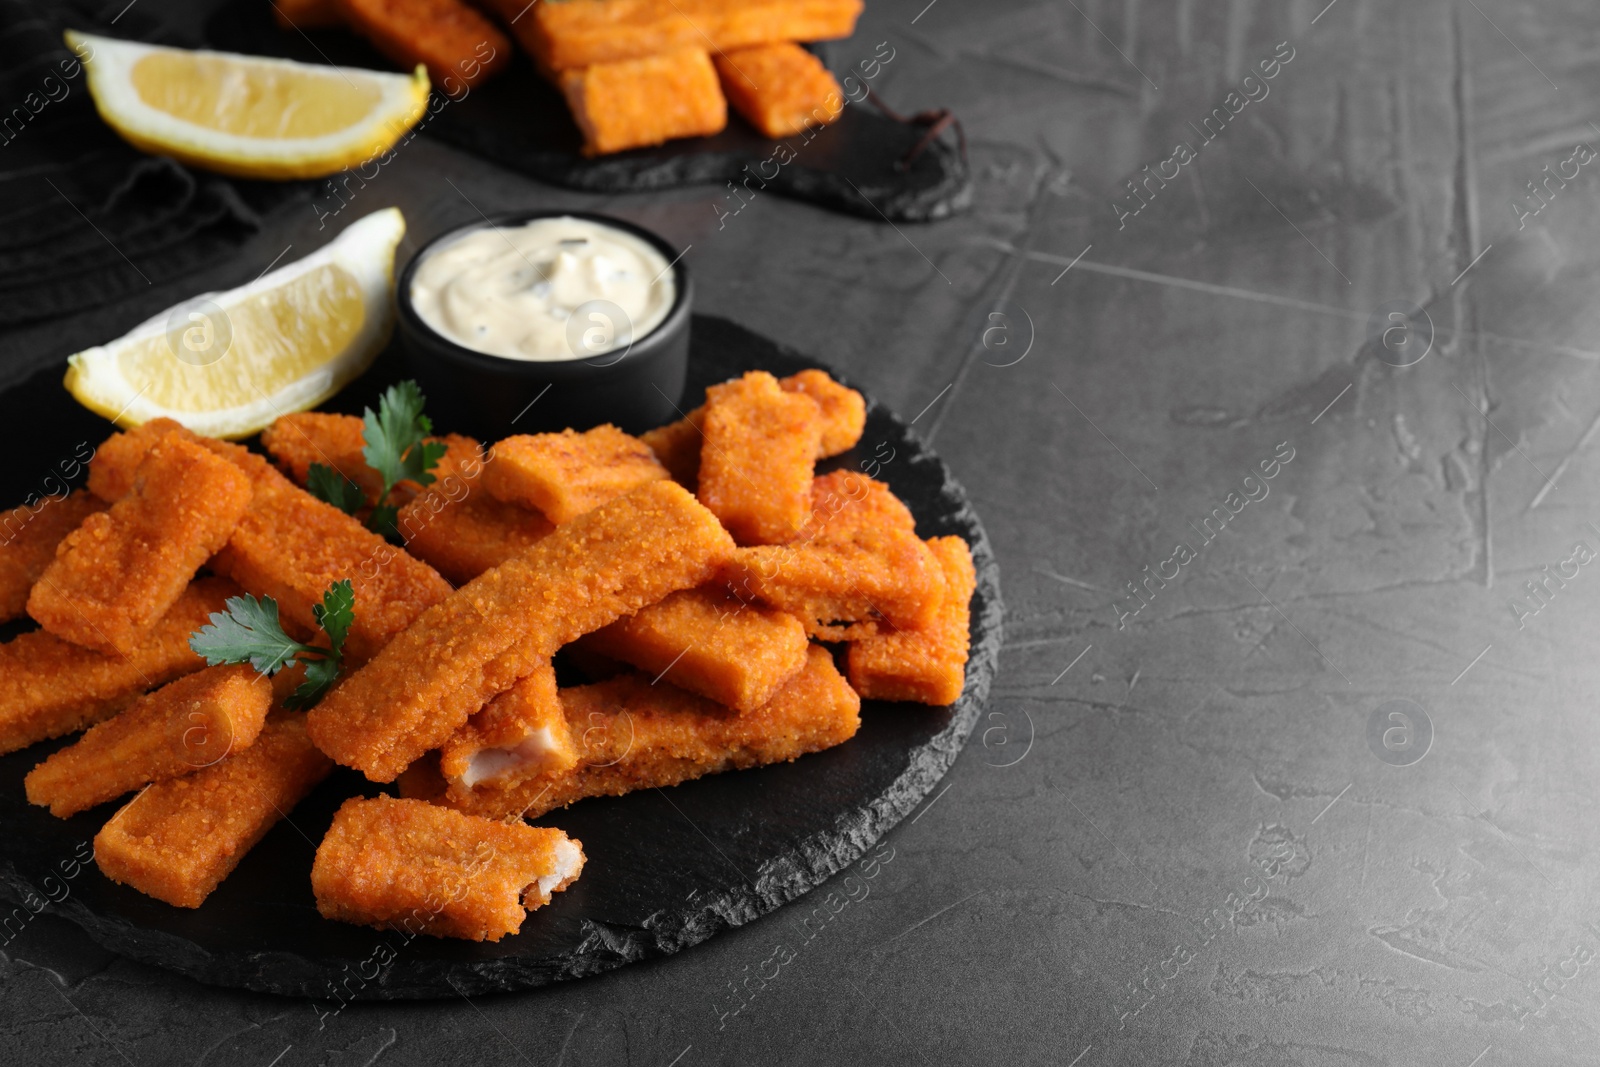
[
  {"x": 856, "y": 567},
  {"x": 578, "y": 33},
  {"x": 116, "y": 461},
  {"x": 756, "y": 465},
  {"x": 418, "y": 868},
  {"x": 519, "y": 734},
  {"x": 844, "y": 415},
  {"x": 844, "y": 411},
  {"x": 119, "y": 572},
  {"x": 635, "y": 735},
  {"x": 566, "y": 474},
  {"x": 28, "y": 540},
  {"x": 297, "y": 441},
  {"x": 927, "y": 666},
  {"x": 677, "y": 447},
  {"x": 49, "y": 687},
  {"x": 183, "y": 727},
  {"x": 306, "y": 14},
  {"x": 455, "y": 41},
  {"x": 634, "y": 103},
  {"x": 780, "y": 89},
  {"x": 459, "y": 654},
  {"x": 179, "y": 839},
  {"x": 291, "y": 546},
  {"x": 702, "y": 640},
  {"x": 463, "y": 537}
]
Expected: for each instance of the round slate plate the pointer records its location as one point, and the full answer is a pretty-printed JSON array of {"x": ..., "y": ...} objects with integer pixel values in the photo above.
[
  {"x": 520, "y": 121},
  {"x": 666, "y": 868}
]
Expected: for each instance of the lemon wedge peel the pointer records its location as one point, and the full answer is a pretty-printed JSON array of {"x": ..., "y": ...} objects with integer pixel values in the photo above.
[
  {"x": 278, "y": 358},
  {"x": 393, "y": 104}
]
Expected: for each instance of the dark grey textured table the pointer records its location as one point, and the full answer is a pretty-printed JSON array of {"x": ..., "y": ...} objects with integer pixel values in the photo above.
[{"x": 1320, "y": 793}]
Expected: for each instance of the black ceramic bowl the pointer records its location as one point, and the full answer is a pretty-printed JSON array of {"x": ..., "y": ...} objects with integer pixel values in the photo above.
[{"x": 490, "y": 397}]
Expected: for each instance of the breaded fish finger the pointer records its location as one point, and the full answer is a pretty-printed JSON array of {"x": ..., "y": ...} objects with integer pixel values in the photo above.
[
  {"x": 179, "y": 839},
  {"x": 733, "y": 652},
  {"x": 116, "y": 461},
  {"x": 459, "y": 654},
  {"x": 28, "y": 540},
  {"x": 119, "y": 571},
  {"x": 844, "y": 415},
  {"x": 49, "y": 687},
  {"x": 183, "y": 727},
  {"x": 646, "y": 100},
  {"x": 455, "y": 41},
  {"x": 677, "y": 447},
  {"x": 414, "y": 867},
  {"x": 927, "y": 666},
  {"x": 306, "y": 437},
  {"x": 856, "y": 567},
  {"x": 306, "y": 14},
  {"x": 780, "y": 89},
  {"x": 578, "y": 33},
  {"x": 565, "y": 474},
  {"x": 761, "y": 444},
  {"x": 635, "y": 735},
  {"x": 519, "y": 734},
  {"x": 291, "y": 546}
]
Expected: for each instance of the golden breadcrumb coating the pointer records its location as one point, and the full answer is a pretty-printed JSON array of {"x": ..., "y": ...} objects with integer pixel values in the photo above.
[
  {"x": 734, "y": 652},
  {"x": 927, "y": 666},
  {"x": 605, "y": 564},
  {"x": 179, "y": 839},
  {"x": 519, "y": 734},
  {"x": 566, "y": 474},
  {"x": 761, "y": 444},
  {"x": 677, "y": 447},
  {"x": 29, "y": 536},
  {"x": 183, "y": 727},
  {"x": 844, "y": 411},
  {"x": 49, "y": 687},
  {"x": 116, "y": 461},
  {"x": 844, "y": 415},
  {"x": 457, "y": 42},
  {"x": 297, "y": 441},
  {"x": 291, "y": 546},
  {"x": 119, "y": 571},
  {"x": 577, "y": 33},
  {"x": 414, "y": 867},
  {"x": 857, "y": 567},
  {"x": 634, "y": 735},
  {"x": 634, "y": 103},
  {"x": 780, "y": 89}
]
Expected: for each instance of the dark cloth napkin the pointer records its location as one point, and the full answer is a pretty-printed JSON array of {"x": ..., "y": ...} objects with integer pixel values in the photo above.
[{"x": 85, "y": 218}]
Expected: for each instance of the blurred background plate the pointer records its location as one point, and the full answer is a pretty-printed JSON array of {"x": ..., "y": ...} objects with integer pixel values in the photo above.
[{"x": 520, "y": 121}]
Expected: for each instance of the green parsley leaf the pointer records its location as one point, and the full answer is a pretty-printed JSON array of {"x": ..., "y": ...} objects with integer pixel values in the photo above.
[
  {"x": 248, "y": 632},
  {"x": 336, "y": 613},
  {"x": 320, "y": 676},
  {"x": 327, "y": 484},
  {"x": 394, "y": 438}
]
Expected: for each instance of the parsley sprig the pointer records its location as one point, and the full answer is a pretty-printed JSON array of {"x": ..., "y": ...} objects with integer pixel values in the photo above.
[
  {"x": 250, "y": 631},
  {"x": 396, "y": 448}
]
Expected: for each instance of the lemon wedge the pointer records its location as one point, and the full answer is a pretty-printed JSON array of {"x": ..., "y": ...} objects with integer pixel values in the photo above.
[
  {"x": 228, "y": 364},
  {"x": 244, "y": 115}
]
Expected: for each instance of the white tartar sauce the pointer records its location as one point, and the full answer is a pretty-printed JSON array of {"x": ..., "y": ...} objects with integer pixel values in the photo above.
[{"x": 551, "y": 289}]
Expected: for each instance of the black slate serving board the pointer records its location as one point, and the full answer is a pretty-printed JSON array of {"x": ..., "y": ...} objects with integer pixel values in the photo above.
[
  {"x": 666, "y": 868},
  {"x": 518, "y": 120}
]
